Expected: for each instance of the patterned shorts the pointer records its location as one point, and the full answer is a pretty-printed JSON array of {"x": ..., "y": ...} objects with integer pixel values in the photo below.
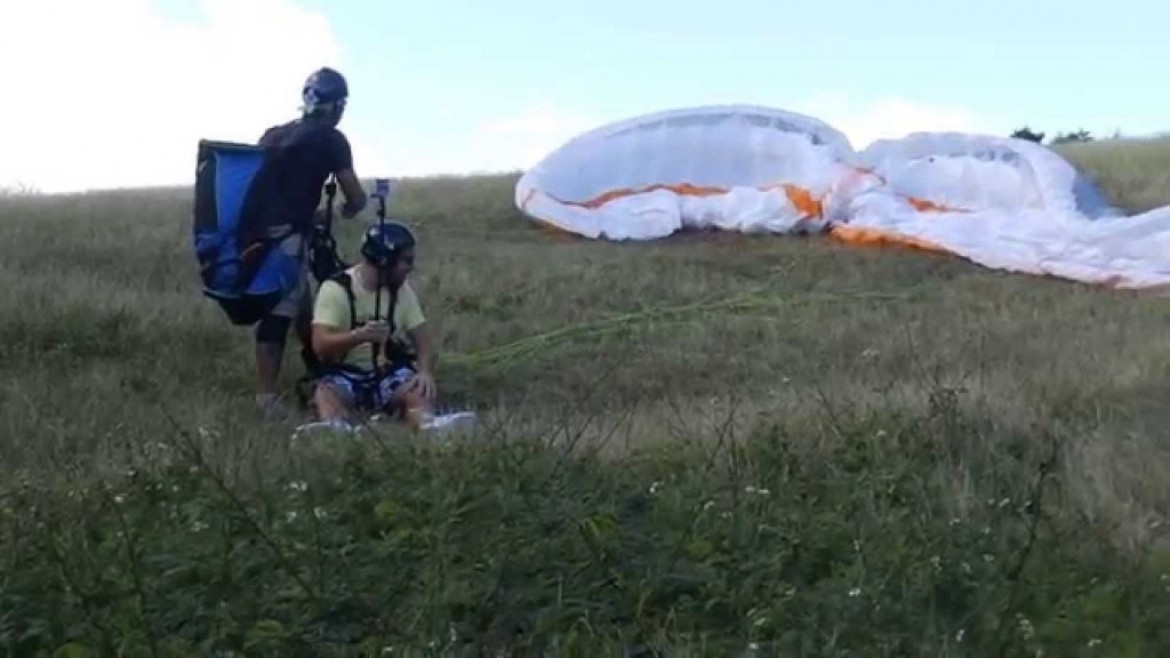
[{"x": 366, "y": 392}]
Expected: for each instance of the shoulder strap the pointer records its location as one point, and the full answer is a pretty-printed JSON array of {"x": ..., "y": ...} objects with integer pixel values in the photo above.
[{"x": 346, "y": 282}]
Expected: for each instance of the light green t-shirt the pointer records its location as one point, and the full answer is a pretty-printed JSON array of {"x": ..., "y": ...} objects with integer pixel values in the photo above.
[{"x": 332, "y": 310}]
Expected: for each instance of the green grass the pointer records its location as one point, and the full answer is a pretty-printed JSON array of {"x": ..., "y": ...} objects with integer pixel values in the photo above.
[
  {"x": 715, "y": 445},
  {"x": 1134, "y": 172}
]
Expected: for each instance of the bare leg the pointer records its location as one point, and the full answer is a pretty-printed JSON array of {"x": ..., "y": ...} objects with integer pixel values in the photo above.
[
  {"x": 329, "y": 405},
  {"x": 414, "y": 408},
  {"x": 268, "y": 360},
  {"x": 333, "y": 412},
  {"x": 294, "y": 311}
]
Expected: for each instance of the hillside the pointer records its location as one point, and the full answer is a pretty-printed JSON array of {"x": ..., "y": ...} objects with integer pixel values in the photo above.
[{"x": 708, "y": 443}]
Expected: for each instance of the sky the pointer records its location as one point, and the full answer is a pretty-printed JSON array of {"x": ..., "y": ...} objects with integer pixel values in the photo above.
[{"x": 117, "y": 93}]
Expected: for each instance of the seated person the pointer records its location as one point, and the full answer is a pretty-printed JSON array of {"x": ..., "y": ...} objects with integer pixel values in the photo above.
[{"x": 346, "y": 336}]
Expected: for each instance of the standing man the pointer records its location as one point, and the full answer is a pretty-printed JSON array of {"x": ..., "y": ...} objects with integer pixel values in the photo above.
[{"x": 308, "y": 150}]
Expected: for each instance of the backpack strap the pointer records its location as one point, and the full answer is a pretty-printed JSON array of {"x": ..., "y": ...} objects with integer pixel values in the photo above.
[{"x": 344, "y": 280}]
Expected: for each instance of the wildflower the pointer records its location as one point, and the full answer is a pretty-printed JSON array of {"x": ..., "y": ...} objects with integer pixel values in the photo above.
[{"x": 1026, "y": 628}]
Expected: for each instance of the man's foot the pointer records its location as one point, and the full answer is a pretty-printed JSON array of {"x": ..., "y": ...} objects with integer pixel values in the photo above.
[
  {"x": 272, "y": 407},
  {"x": 463, "y": 420},
  {"x": 337, "y": 426}
]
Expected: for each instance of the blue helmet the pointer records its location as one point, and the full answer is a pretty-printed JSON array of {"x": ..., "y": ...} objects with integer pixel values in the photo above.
[
  {"x": 324, "y": 86},
  {"x": 382, "y": 245}
]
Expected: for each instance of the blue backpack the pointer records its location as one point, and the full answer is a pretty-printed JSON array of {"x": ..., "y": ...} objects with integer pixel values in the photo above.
[{"x": 241, "y": 266}]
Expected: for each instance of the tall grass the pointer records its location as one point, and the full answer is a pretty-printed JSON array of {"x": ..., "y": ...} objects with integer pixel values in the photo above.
[
  {"x": 709, "y": 445},
  {"x": 1134, "y": 172}
]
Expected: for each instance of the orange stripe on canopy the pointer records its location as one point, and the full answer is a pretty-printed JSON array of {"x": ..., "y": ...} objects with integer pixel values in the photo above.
[
  {"x": 925, "y": 205},
  {"x": 800, "y": 197},
  {"x": 866, "y": 236}
]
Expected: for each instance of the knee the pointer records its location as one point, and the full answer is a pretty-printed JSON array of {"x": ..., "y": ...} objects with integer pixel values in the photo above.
[
  {"x": 409, "y": 400},
  {"x": 330, "y": 401}
]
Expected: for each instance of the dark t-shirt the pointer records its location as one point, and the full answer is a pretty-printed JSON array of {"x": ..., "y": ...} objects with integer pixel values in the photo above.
[{"x": 309, "y": 152}]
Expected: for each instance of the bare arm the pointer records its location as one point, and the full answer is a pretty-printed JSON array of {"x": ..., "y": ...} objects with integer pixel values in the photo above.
[
  {"x": 331, "y": 345},
  {"x": 423, "y": 346},
  {"x": 355, "y": 196}
]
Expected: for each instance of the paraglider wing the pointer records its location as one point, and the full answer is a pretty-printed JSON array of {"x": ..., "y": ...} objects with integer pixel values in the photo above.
[
  {"x": 743, "y": 168},
  {"x": 982, "y": 172},
  {"x": 1004, "y": 203}
]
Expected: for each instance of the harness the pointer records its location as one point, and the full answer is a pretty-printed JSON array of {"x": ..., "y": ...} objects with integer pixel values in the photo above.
[
  {"x": 363, "y": 379},
  {"x": 323, "y": 259}
]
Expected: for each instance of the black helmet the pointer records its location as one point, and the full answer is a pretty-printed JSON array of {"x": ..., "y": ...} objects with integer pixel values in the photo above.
[
  {"x": 384, "y": 243},
  {"x": 324, "y": 86}
]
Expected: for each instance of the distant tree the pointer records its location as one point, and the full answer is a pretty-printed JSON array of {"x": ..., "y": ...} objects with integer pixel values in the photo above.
[
  {"x": 1078, "y": 136},
  {"x": 1026, "y": 133},
  {"x": 19, "y": 189}
]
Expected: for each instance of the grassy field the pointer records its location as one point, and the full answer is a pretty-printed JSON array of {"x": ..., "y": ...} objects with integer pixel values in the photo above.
[{"x": 710, "y": 445}]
